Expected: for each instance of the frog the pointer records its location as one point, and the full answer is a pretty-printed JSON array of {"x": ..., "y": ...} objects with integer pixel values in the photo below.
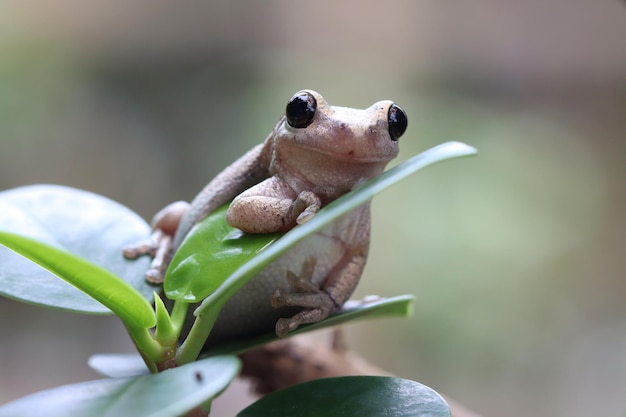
[{"x": 315, "y": 154}]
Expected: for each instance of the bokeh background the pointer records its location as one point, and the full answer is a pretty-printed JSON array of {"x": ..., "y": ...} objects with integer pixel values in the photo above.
[{"x": 517, "y": 257}]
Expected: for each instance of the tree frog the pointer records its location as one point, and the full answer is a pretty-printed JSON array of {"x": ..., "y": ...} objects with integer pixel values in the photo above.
[{"x": 315, "y": 154}]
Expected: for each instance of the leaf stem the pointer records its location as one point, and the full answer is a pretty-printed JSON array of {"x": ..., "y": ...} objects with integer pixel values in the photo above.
[
  {"x": 179, "y": 315},
  {"x": 151, "y": 351},
  {"x": 194, "y": 342}
]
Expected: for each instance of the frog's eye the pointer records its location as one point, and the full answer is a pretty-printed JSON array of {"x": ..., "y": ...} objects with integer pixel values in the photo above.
[
  {"x": 397, "y": 121},
  {"x": 301, "y": 109}
]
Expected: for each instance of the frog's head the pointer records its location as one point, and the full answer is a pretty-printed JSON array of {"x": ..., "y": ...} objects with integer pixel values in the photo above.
[{"x": 359, "y": 136}]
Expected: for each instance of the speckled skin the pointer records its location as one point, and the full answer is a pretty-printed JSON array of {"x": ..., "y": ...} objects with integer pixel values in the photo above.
[{"x": 283, "y": 182}]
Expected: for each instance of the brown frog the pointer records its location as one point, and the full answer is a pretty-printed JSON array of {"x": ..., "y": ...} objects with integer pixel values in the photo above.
[{"x": 315, "y": 154}]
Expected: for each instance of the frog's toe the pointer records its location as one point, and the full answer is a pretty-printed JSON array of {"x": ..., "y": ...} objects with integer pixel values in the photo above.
[
  {"x": 309, "y": 315},
  {"x": 305, "y": 216},
  {"x": 154, "y": 276},
  {"x": 284, "y": 326},
  {"x": 307, "y": 204},
  {"x": 317, "y": 306},
  {"x": 318, "y": 299},
  {"x": 136, "y": 250}
]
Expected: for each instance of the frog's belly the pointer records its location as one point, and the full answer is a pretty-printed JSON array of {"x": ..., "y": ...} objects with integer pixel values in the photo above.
[{"x": 250, "y": 313}]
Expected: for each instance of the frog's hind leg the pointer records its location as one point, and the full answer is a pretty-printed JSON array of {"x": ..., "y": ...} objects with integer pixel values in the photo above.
[{"x": 318, "y": 303}]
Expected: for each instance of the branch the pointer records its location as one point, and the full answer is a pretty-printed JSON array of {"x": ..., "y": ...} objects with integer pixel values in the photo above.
[{"x": 299, "y": 359}]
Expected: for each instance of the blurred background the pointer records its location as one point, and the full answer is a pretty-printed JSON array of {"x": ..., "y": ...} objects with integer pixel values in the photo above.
[{"x": 517, "y": 256}]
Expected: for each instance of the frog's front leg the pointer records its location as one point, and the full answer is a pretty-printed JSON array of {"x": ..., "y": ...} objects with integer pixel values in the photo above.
[
  {"x": 271, "y": 206},
  {"x": 159, "y": 246},
  {"x": 318, "y": 303}
]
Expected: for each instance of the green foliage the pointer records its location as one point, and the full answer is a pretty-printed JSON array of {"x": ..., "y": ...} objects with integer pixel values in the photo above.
[
  {"x": 352, "y": 396},
  {"x": 211, "y": 252},
  {"x": 170, "y": 393},
  {"x": 399, "y": 306},
  {"x": 105, "y": 287},
  {"x": 78, "y": 236},
  {"x": 78, "y": 222}
]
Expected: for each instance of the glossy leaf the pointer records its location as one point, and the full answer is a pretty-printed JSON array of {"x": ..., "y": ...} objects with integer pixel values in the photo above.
[
  {"x": 118, "y": 365},
  {"x": 122, "y": 365},
  {"x": 211, "y": 252},
  {"x": 352, "y": 396},
  {"x": 328, "y": 214},
  {"x": 114, "y": 293},
  {"x": 170, "y": 393},
  {"x": 82, "y": 223},
  {"x": 399, "y": 306}
]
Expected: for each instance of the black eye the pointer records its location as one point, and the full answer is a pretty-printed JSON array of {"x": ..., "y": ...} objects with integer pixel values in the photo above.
[
  {"x": 396, "y": 118},
  {"x": 301, "y": 109}
]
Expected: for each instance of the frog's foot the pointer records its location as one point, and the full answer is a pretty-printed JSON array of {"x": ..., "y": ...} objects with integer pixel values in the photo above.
[
  {"x": 162, "y": 257},
  {"x": 325, "y": 304},
  {"x": 159, "y": 247},
  {"x": 305, "y": 206},
  {"x": 317, "y": 303}
]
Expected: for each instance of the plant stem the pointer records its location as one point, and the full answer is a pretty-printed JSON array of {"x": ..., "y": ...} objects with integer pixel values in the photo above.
[
  {"x": 151, "y": 351},
  {"x": 179, "y": 315},
  {"x": 192, "y": 346}
]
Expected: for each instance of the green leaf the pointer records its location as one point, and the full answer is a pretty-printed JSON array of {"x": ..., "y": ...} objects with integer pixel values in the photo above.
[
  {"x": 82, "y": 223},
  {"x": 211, "y": 252},
  {"x": 116, "y": 294},
  {"x": 399, "y": 306},
  {"x": 352, "y": 396},
  {"x": 327, "y": 215},
  {"x": 170, "y": 393},
  {"x": 118, "y": 365}
]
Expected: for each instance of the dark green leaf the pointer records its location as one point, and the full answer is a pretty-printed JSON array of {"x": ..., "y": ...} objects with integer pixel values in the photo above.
[
  {"x": 170, "y": 393},
  {"x": 211, "y": 252},
  {"x": 352, "y": 396},
  {"x": 82, "y": 223},
  {"x": 399, "y": 306}
]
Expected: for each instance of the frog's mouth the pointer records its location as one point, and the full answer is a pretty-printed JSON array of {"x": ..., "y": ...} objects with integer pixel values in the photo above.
[{"x": 351, "y": 154}]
